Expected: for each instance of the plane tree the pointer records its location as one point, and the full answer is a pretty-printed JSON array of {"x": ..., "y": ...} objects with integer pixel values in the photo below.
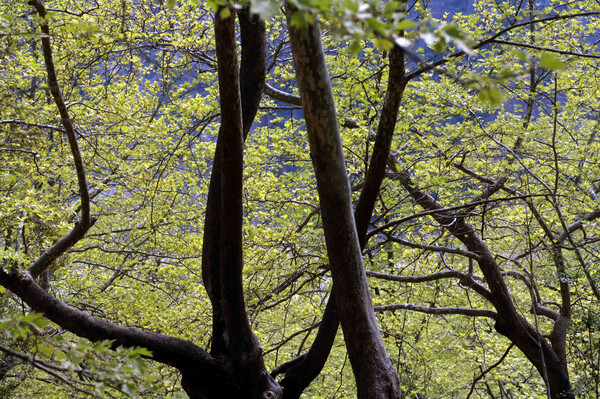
[
  {"x": 468, "y": 200},
  {"x": 234, "y": 367}
]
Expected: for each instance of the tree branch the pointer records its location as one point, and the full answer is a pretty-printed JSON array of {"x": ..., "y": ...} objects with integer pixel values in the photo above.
[
  {"x": 593, "y": 215},
  {"x": 243, "y": 349},
  {"x": 493, "y": 366},
  {"x": 299, "y": 376},
  {"x": 467, "y": 280},
  {"x": 434, "y": 248},
  {"x": 350, "y": 285},
  {"x": 32, "y": 124},
  {"x": 172, "y": 351},
  {"x": 84, "y": 224},
  {"x": 548, "y": 49},
  {"x": 508, "y": 321},
  {"x": 493, "y": 37},
  {"x": 437, "y": 311},
  {"x": 293, "y": 99}
]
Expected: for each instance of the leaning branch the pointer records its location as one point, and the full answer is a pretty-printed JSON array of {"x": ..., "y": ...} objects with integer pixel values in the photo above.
[
  {"x": 168, "y": 350},
  {"x": 84, "y": 224}
]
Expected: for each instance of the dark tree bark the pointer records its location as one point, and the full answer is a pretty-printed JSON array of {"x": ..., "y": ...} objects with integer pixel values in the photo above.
[
  {"x": 373, "y": 371},
  {"x": 252, "y": 81},
  {"x": 86, "y": 221},
  {"x": 547, "y": 359},
  {"x": 234, "y": 334},
  {"x": 300, "y": 372}
]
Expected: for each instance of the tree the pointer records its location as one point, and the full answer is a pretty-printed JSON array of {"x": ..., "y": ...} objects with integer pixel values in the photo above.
[
  {"x": 144, "y": 173},
  {"x": 235, "y": 367}
]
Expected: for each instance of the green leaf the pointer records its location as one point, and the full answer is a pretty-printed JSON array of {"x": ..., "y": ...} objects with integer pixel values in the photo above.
[
  {"x": 140, "y": 352},
  {"x": 453, "y": 31},
  {"x": 406, "y": 24},
  {"x": 551, "y": 61},
  {"x": 440, "y": 45},
  {"x": 521, "y": 55},
  {"x": 355, "y": 48},
  {"x": 376, "y": 25},
  {"x": 265, "y": 9},
  {"x": 300, "y": 19},
  {"x": 383, "y": 44},
  {"x": 491, "y": 95},
  {"x": 351, "y": 5},
  {"x": 129, "y": 388}
]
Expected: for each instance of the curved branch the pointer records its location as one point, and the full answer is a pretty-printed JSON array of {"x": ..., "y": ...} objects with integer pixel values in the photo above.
[
  {"x": 282, "y": 96},
  {"x": 434, "y": 248},
  {"x": 508, "y": 321},
  {"x": 83, "y": 225},
  {"x": 467, "y": 280},
  {"x": 437, "y": 311},
  {"x": 168, "y": 350}
]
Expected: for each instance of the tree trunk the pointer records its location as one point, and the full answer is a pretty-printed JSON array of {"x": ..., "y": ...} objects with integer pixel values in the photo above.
[
  {"x": 244, "y": 354},
  {"x": 300, "y": 372},
  {"x": 373, "y": 370}
]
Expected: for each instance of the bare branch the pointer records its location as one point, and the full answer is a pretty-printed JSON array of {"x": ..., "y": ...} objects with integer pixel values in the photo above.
[
  {"x": 437, "y": 311},
  {"x": 434, "y": 248},
  {"x": 282, "y": 96},
  {"x": 467, "y": 280},
  {"x": 493, "y": 366},
  {"x": 31, "y": 124},
  {"x": 294, "y": 99},
  {"x": 548, "y": 49}
]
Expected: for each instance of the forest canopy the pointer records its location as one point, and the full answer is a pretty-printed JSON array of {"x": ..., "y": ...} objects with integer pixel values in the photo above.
[{"x": 317, "y": 199}]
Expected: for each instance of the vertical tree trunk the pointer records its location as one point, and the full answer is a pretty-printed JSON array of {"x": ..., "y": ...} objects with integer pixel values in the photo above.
[
  {"x": 244, "y": 352},
  {"x": 252, "y": 81},
  {"x": 300, "y": 372},
  {"x": 373, "y": 370}
]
